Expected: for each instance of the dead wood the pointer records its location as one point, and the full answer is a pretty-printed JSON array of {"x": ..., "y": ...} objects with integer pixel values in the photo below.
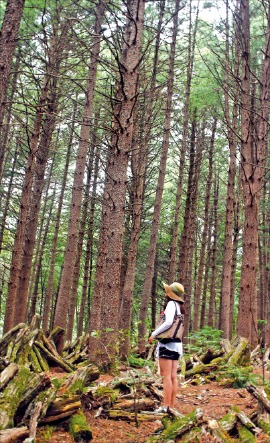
[
  {"x": 220, "y": 434},
  {"x": 245, "y": 420},
  {"x": 58, "y": 360},
  {"x": 79, "y": 428},
  {"x": 178, "y": 427},
  {"x": 7, "y": 374},
  {"x": 13, "y": 435},
  {"x": 260, "y": 395},
  {"x": 135, "y": 404}
]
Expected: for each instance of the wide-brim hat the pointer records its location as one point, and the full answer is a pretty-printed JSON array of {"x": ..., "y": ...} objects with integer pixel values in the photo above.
[{"x": 175, "y": 291}]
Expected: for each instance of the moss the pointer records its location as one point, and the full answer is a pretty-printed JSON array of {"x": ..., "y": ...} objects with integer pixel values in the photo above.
[
  {"x": 10, "y": 398},
  {"x": 194, "y": 436},
  {"x": 45, "y": 434},
  {"x": 245, "y": 435},
  {"x": 228, "y": 421},
  {"x": 79, "y": 428},
  {"x": 105, "y": 391},
  {"x": 264, "y": 425}
]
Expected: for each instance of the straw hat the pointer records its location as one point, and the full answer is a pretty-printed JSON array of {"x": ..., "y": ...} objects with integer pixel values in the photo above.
[{"x": 175, "y": 291}]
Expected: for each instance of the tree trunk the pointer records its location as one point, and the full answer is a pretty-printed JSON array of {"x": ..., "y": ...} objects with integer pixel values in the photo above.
[
  {"x": 76, "y": 275},
  {"x": 253, "y": 160},
  {"x": 8, "y": 41},
  {"x": 197, "y": 293},
  {"x": 139, "y": 166},
  {"x": 225, "y": 309},
  {"x": 62, "y": 304},
  {"x": 105, "y": 314},
  {"x": 17, "y": 250},
  {"x": 160, "y": 186},
  {"x": 211, "y": 312},
  {"x": 190, "y": 62},
  {"x": 48, "y": 298}
]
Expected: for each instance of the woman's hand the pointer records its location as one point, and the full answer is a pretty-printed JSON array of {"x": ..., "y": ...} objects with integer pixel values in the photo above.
[{"x": 150, "y": 339}]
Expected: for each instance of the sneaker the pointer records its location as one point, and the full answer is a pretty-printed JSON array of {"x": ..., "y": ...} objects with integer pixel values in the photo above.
[{"x": 161, "y": 410}]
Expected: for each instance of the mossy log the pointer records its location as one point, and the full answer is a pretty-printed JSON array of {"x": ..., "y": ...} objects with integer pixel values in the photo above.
[
  {"x": 139, "y": 404},
  {"x": 37, "y": 383},
  {"x": 118, "y": 414},
  {"x": 79, "y": 428},
  {"x": 7, "y": 374},
  {"x": 86, "y": 375},
  {"x": 201, "y": 369},
  {"x": 219, "y": 433},
  {"x": 13, "y": 435},
  {"x": 245, "y": 435},
  {"x": 245, "y": 420},
  {"x": 64, "y": 404},
  {"x": 263, "y": 421},
  {"x": 45, "y": 398},
  {"x": 260, "y": 395},
  {"x": 11, "y": 397},
  {"x": 210, "y": 355},
  {"x": 125, "y": 384},
  {"x": 241, "y": 354},
  {"x": 41, "y": 359},
  {"x": 8, "y": 337},
  {"x": 58, "y": 360},
  {"x": 194, "y": 436},
  {"x": 56, "y": 335},
  {"x": 178, "y": 427},
  {"x": 228, "y": 421}
]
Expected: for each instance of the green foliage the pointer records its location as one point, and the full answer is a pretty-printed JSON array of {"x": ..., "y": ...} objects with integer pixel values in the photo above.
[
  {"x": 237, "y": 377},
  {"x": 203, "y": 339},
  {"x": 138, "y": 362}
]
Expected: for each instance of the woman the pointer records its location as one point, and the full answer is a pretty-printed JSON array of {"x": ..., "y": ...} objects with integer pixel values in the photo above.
[{"x": 168, "y": 353}]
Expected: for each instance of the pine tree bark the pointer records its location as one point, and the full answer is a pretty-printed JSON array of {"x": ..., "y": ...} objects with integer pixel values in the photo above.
[
  {"x": 17, "y": 250},
  {"x": 201, "y": 267},
  {"x": 48, "y": 298},
  {"x": 8, "y": 40},
  {"x": 62, "y": 304},
  {"x": 212, "y": 320},
  {"x": 160, "y": 186},
  {"x": 253, "y": 151},
  {"x": 190, "y": 62},
  {"x": 42, "y": 156},
  {"x": 139, "y": 165},
  {"x": 105, "y": 314},
  {"x": 225, "y": 308}
]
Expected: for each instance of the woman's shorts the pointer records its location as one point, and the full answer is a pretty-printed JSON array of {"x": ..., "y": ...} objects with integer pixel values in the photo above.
[{"x": 167, "y": 353}]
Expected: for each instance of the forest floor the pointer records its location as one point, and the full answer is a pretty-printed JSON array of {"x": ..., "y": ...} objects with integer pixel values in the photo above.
[{"x": 214, "y": 399}]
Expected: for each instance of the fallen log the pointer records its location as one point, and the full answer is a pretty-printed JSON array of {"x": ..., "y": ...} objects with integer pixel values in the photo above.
[
  {"x": 135, "y": 404},
  {"x": 7, "y": 374},
  {"x": 245, "y": 435},
  {"x": 219, "y": 433},
  {"x": 79, "y": 428},
  {"x": 228, "y": 421},
  {"x": 13, "y": 435},
  {"x": 117, "y": 414},
  {"x": 178, "y": 427},
  {"x": 241, "y": 354},
  {"x": 245, "y": 420},
  {"x": 63, "y": 405},
  {"x": 201, "y": 369},
  {"x": 85, "y": 375},
  {"x": 8, "y": 337},
  {"x": 260, "y": 395},
  {"x": 59, "y": 361},
  {"x": 11, "y": 397}
]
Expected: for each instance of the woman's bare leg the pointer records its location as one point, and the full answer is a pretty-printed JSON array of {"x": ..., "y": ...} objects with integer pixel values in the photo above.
[
  {"x": 174, "y": 383},
  {"x": 166, "y": 373}
]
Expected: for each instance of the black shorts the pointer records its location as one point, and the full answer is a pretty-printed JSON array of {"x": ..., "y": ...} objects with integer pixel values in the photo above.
[{"x": 167, "y": 353}]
